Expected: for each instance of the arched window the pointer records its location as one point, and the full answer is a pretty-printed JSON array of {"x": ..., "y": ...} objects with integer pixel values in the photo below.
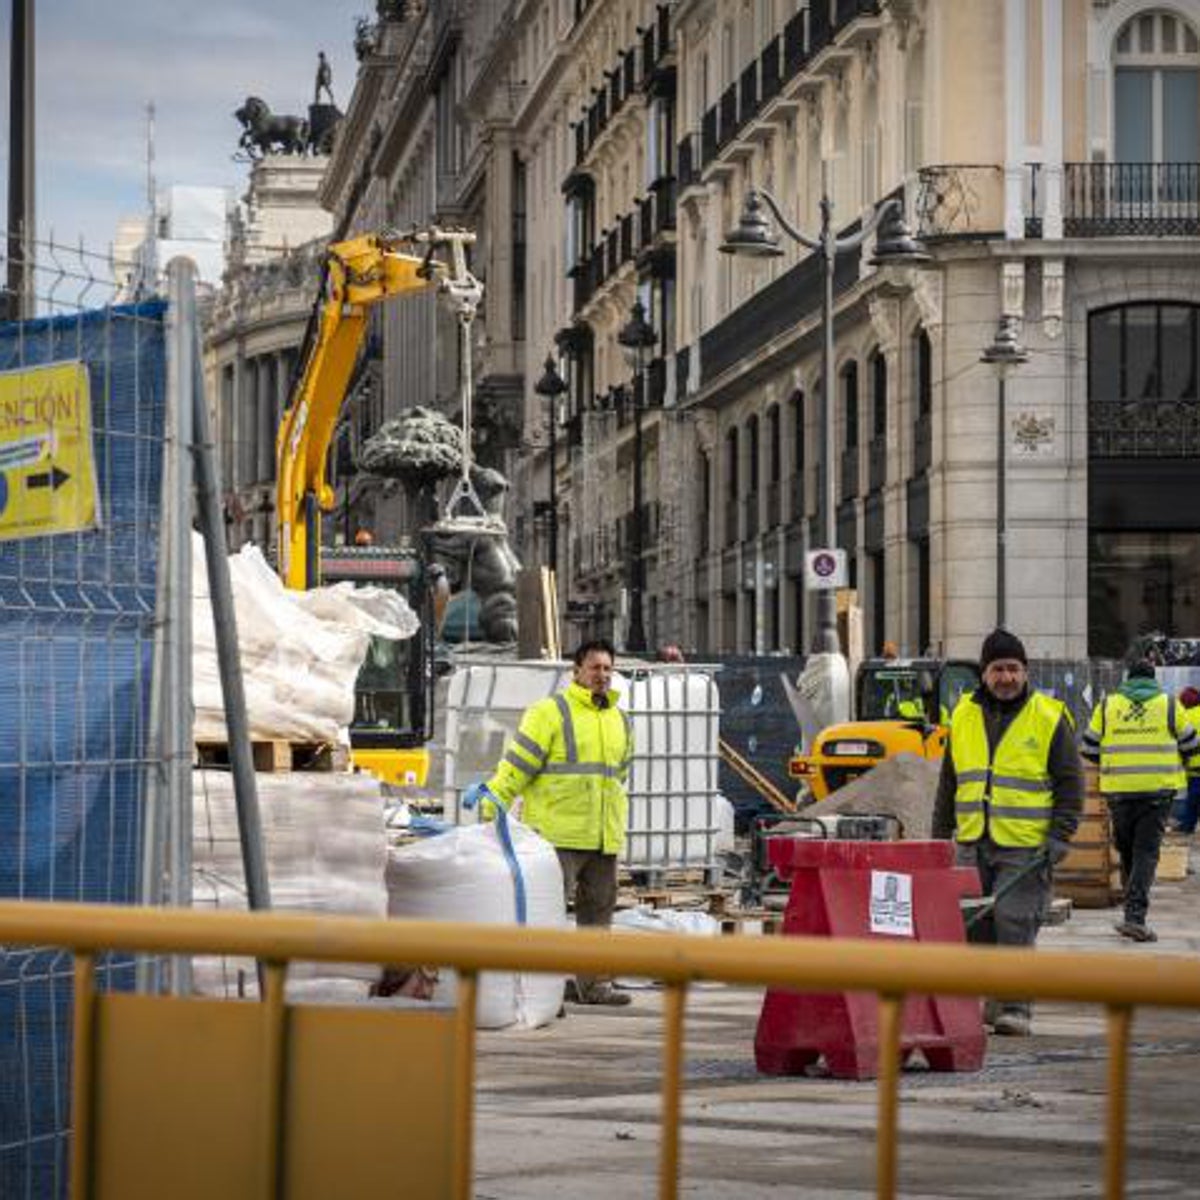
[{"x": 1156, "y": 105}]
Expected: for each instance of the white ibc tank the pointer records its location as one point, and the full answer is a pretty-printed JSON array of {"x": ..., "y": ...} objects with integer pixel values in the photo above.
[
  {"x": 677, "y": 816},
  {"x": 465, "y": 875}
]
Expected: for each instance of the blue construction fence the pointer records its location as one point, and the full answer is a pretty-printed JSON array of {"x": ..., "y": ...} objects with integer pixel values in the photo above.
[{"x": 77, "y": 631}]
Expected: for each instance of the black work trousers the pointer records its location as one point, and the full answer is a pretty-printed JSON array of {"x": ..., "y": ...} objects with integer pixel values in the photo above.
[
  {"x": 1138, "y": 823},
  {"x": 1019, "y": 912},
  {"x": 590, "y": 880}
]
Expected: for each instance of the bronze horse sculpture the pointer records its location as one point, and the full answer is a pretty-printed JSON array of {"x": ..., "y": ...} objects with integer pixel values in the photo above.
[{"x": 263, "y": 132}]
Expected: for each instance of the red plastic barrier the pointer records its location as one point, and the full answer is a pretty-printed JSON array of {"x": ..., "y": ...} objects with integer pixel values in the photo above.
[{"x": 879, "y": 890}]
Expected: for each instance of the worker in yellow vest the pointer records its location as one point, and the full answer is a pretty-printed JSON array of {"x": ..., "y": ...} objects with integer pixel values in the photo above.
[
  {"x": 1186, "y": 811},
  {"x": 1010, "y": 794},
  {"x": 568, "y": 761},
  {"x": 1143, "y": 745}
]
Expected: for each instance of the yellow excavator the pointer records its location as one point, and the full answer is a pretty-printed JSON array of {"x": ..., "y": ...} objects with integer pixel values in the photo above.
[
  {"x": 394, "y": 693},
  {"x": 901, "y": 705}
]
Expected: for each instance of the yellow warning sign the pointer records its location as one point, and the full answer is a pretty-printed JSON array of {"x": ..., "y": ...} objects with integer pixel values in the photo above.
[{"x": 47, "y": 469}]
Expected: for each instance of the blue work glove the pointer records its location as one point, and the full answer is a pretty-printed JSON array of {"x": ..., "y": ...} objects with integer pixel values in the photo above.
[{"x": 476, "y": 794}]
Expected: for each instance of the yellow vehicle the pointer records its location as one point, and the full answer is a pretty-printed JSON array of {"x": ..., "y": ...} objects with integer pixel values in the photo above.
[
  {"x": 394, "y": 693},
  {"x": 901, "y": 705}
]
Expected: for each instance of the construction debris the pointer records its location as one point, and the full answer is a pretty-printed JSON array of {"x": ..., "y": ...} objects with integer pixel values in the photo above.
[{"x": 903, "y": 786}]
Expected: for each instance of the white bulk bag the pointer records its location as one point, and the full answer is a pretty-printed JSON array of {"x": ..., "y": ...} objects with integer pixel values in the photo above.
[
  {"x": 300, "y": 651},
  {"x": 464, "y": 875}
]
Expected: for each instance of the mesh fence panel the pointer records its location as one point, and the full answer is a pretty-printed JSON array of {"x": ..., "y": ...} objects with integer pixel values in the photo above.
[{"x": 78, "y": 622}]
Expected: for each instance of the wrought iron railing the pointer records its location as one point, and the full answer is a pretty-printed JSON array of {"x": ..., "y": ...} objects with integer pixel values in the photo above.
[
  {"x": 1118, "y": 199},
  {"x": 1144, "y": 429},
  {"x": 1131, "y": 199},
  {"x": 960, "y": 199}
]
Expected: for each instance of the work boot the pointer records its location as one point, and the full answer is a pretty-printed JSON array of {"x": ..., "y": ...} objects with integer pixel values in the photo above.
[
  {"x": 602, "y": 994},
  {"x": 1012, "y": 1022},
  {"x": 1137, "y": 931}
]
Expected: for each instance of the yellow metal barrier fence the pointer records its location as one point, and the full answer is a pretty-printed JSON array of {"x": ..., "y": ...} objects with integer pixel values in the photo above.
[{"x": 890, "y": 970}]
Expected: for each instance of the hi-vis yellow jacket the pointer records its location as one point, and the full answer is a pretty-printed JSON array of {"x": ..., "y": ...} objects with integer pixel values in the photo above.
[
  {"x": 570, "y": 760},
  {"x": 1141, "y": 745},
  {"x": 1007, "y": 794}
]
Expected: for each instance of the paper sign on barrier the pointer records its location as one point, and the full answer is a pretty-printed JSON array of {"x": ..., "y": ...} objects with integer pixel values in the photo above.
[{"x": 891, "y": 903}]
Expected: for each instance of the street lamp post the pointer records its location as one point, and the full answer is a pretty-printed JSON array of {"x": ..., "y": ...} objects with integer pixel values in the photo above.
[
  {"x": 754, "y": 238},
  {"x": 551, "y": 385},
  {"x": 1004, "y": 353},
  {"x": 637, "y": 336}
]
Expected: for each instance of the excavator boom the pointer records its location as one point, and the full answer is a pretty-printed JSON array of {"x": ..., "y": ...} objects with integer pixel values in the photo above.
[{"x": 360, "y": 272}]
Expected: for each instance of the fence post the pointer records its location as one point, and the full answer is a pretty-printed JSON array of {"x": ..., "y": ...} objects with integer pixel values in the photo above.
[{"x": 208, "y": 503}]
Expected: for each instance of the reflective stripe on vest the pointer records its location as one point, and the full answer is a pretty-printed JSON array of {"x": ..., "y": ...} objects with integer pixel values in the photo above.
[
  {"x": 1006, "y": 795},
  {"x": 570, "y": 748},
  {"x": 1139, "y": 754}
]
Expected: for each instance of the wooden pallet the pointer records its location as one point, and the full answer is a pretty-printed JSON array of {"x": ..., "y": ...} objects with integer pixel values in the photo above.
[
  {"x": 274, "y": 755},
  {"x": 753, "y": 921},
  {"x": 1090, "y": 875}
]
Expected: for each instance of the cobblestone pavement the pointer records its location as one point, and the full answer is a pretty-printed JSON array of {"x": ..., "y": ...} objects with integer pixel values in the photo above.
[{"x": 572, "y": 1110}]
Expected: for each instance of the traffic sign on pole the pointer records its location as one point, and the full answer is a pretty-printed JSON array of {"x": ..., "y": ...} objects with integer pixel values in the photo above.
[{"x": 825, "y": 570}]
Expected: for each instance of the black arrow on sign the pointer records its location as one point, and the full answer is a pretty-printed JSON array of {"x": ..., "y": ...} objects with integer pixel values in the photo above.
[{"x": 53, "y": 478}]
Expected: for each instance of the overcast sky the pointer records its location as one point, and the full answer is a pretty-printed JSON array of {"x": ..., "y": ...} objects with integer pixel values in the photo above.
[{"x": 100, "y": 62}]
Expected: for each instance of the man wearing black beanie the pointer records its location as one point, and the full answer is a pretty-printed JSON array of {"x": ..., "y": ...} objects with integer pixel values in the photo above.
[{"x": 1010, "y": 794}]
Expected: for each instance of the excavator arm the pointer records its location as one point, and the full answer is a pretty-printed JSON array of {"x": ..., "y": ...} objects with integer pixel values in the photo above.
[{"x": 360, "y": 272}]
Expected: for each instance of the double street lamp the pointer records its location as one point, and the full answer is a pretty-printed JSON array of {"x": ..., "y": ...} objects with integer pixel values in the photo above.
[
  {"x": 637, "y": 337},
  {"x": 753, "y": 237},
  {"x": 1004, "y": 353},
  {"x": 552, "y": 386}
]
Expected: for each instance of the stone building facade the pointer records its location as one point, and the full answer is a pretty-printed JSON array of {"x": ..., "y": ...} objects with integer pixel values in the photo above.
[{"x": 1047, "y": 152}]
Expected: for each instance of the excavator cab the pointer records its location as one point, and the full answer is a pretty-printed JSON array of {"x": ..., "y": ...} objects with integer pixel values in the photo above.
[
  {"x": 393, "y": 695},
  {"x": 900, "y": 706}
]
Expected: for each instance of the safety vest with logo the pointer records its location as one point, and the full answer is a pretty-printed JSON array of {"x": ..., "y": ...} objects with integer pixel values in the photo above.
[
  {"x": 1006, "y": 793},
  {"x": 1138, "y": 744},
  {"x": 569, "y": 761}
]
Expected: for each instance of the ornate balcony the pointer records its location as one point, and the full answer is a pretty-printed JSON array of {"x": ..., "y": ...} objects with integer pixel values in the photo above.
[{"x": 960, "y": 200}]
